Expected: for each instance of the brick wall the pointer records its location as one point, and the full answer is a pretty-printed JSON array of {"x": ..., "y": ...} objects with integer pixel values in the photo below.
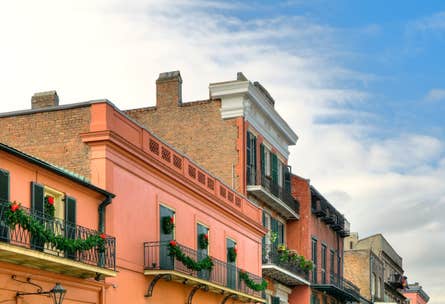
[
  {"x": 356, "y": 270},
  {"x": 51, "y": 136},
  {"x": 197, "y": 130}
]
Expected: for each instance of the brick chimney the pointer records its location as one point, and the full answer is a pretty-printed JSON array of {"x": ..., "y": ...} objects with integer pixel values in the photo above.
[
  {"x": 44, "y": 100},
  {"x": 169, "y": 89}
]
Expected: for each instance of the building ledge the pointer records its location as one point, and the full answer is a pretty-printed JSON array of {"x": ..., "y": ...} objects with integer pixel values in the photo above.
[
  {"x": 190, "y": 280},
  {"x": 274, "y": 202},
  {"x": 282, "y": 275},
  {"x": 40, "y": 260}
]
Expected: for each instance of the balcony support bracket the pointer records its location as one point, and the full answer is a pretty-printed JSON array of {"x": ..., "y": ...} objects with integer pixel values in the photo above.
[
  {"x": 227, "y": 297},
  {"x": 153, "y": 282},
  {"x": 194, "y": 290}
]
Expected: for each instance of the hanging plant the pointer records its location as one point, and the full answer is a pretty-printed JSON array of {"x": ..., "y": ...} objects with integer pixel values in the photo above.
[
  {"x": 49, "y": 207},
  {"x": 174, "y": 250},
  {"x": 203, "y": 241},
  {"x": 168, "y": 224},
  {"x": 14, "y": 216},
  {"x": 252, "y": 284},
  {"x": 231, "y": 254}
]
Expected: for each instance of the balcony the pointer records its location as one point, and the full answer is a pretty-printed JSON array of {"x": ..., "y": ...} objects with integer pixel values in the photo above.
[
  {"x": 336, "y": 286},
  {"x": 223, "y": 279},
  {"x": 18, "y": 246},
  {"x": 319, "y": 207},
  {"x": 397, "y": 281},
  {"x": 346, "y": 227},
  {"x": 280, "y": 267},
  {"x": 276, "y": 197},
  {"x": 329, "y": 218}
]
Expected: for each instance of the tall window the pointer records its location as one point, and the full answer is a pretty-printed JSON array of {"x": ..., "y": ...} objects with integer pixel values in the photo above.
[
  {"x": 373, "y": 280},
  {"x": 379, "y": 284},
  {"x": 251, "y": 159},
  {"x": 323, "y": 264},
  {"x": 314, "y": 260},
  {"x": 332, "y": 264}
]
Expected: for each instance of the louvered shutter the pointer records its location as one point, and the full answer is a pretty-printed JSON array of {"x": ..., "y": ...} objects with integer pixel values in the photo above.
[
  {"x": 37, "y": 208},
  {"x": 263, "y": 161},
  {"x": 274, "y": 160},
  {"x": 70, "y": 221},
  {"x": 4, "y": 198}
]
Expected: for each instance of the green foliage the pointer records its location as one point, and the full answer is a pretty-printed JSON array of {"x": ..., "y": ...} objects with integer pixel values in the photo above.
[
  {"x": 38, "y": 230},
  {"x": 49, "y": 207},
  {"x": 250, "y": 283},
  {"x": 175, "y": 251},
  {"x": 168, "y": 224},
  {"x": 203, "y": 241},
  {"x": 231, "y": 254},
  {"x": 290, "y": 256}
]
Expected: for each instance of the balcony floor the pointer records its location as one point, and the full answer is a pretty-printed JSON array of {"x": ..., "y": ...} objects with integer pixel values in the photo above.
[
  {"x": 182, "y": 278},
  {"x": 41, "y": 260},
  {"x": 273, "y": 201},
  {"x": 282, "y": 275}
]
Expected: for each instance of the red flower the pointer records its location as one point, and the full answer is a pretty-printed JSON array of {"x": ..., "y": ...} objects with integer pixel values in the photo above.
[
  {"x": 103, "y": 236},
  {"x": 14, "y": 207},
  {"x": 235, "y": 250},
  {"x": 172, "y": 220},
  {"x": 173, "y": 243},
  {"x": 50, "y": 200},
  {"x": 206, "y": 236}
]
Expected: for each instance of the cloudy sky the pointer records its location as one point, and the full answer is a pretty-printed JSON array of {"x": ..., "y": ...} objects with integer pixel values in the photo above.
[{"x": 361, "y": 82}]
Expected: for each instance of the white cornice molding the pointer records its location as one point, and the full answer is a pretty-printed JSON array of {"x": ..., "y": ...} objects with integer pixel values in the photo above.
[{"x": 243, "y": 99}]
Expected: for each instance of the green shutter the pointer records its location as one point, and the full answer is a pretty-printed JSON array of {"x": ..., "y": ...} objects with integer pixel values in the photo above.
[
  {"x": 274, "y": 228},
  {"x": 37, "y": 207},
  {"x": 263, "y": 160},
  {"x": 274, "y": 160},
  {"x": 275, "y": 300},
  {"x": 254, "y": 159},
  {"x": 70, "y": 220},
  {"x": 4, "y": 197}
]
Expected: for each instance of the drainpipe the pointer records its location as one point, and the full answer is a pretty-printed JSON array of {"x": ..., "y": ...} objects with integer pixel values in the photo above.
[{"x": 101, "y": 210}]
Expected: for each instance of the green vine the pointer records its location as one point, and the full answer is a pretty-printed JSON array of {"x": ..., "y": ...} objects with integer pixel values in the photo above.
[
  {"x": 203, "y": 241},
  {"x": 14, "y": 215},
  {"x": 168, "y": 224},
  {"x": 250, "y": 283},
  {"x": 175, "y": 251}
]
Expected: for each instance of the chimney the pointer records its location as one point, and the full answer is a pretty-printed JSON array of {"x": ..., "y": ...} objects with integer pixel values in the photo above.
[
  {"x": 169, "y": 89},
  {"x": 44, "y": 100}
]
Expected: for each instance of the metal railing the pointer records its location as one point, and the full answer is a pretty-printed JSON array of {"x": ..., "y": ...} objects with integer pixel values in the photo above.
[
  {"x": 226, "y": 275},
  {"x": 19, "y": 236},
  {"x": 272, "y": 255},
  {"x": 336, "y": 280},
  {"x": 281, "y": 193}
]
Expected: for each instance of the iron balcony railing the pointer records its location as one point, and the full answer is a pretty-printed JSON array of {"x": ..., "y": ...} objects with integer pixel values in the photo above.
[
  {"x": 281, "y": 193},
  {"x": 319, "y": 277},
  {"x": 283, "y": 258},
  {"x": 105, "y": 258},
  {"x": 223, "y": 274}
]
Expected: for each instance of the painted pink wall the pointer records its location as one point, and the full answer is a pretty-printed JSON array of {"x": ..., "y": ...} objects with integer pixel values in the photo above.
[{"x": 122, "y": 162}]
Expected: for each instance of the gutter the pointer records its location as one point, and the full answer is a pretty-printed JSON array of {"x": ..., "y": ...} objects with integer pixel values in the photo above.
[{"x": 101, "y": 209}]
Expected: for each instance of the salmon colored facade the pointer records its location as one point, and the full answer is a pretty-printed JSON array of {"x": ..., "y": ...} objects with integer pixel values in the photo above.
[
  {"x": 21, "y": 259},
  {"x": 153, "y": 182}
]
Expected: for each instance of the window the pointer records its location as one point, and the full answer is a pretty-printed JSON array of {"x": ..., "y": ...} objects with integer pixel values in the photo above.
[
  {"x": 251, "y": 159},
  {"x": 379, "y": 293},
  {"x": 265, "y": 161},
  {"x": 373, "y": 280},
  {"x": 314, "y": 260},
  {"x": 280, "y": 174},
  {"x": 323, "y": 264},
  {"x": 332, "y": 264},
  {"x": 275, "y": 300}
]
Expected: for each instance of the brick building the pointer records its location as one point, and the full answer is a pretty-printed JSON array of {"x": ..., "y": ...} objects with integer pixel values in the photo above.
[
  {"x": 238, "y": 135},
  {"x": 375, "y": 257},
  {"x": 319, "y": 234},
  {"x": 415, "y": 294},
  {"x": 182, "y": 234}
]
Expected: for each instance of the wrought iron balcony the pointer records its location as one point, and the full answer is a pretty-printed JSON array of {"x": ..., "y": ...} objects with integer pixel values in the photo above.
[
  {"x": 346, "y": 227},
  {"x": 329, "y": 218},
  {"x": 277, "y": 197},
  {"x": 20, "y": 246},
  {"x": 224, "y": 278},
  {"x": 319, "y": 207},
  {"x": 281, "y": 267},
  {"x": 397, "y": 281},
  {"x": 336, "y": 286}
]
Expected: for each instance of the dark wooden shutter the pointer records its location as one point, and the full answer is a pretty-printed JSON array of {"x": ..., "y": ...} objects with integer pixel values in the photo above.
[
  {"x": 70, "y": 221},
  {"x": 274, "y": 228},
  {"x": 248, "y": 157},
  {"x": 253, "y": 160},
  {"x": 274, "y": 163},
  {"x": 37, "y": 208},
  {"x": 4, "y": 198},
  {"x": 263, "y": 161}
]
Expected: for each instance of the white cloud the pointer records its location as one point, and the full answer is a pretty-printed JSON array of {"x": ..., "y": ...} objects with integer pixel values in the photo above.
[
  {"x": 115, "y": 49},
  {"x": 433, "y": 22},
  {"x": 435, "y": 95}
]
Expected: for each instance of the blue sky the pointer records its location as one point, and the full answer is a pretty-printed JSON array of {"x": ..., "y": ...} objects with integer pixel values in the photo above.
[{"x": 361, "y": 82}]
